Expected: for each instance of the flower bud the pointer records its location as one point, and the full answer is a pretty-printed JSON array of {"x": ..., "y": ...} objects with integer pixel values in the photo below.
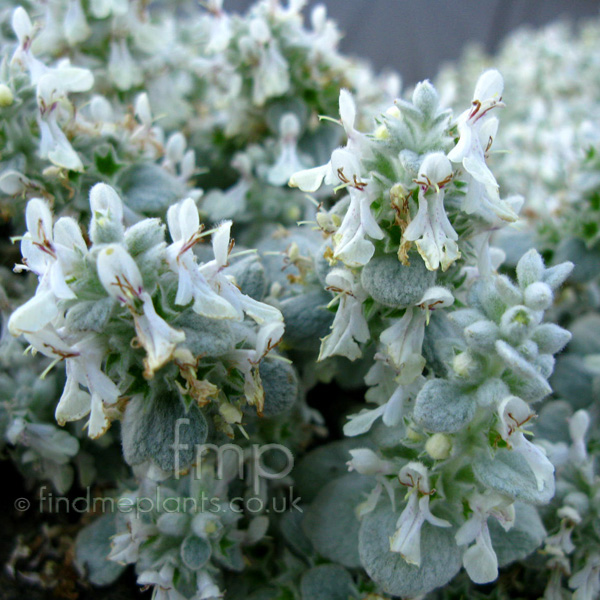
[
  {"x": 366, "y": 462},
  {"x": 6, "y": 96},
  {"x": 107, "y": 215},
  {"x": 439, "y": 446},
  {"x": 538, "y": 296}
]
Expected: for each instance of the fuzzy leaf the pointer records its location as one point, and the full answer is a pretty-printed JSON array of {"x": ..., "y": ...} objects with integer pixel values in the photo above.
[
  {"x": 195, "y": 552},
  {"x": 509, "y": 473},
  {"x": 327, "y": 582},
  {"x": 307, "y": 320},
  {"x": 331, "y": 523},
  {"x": 440, "y": 556},
  {"x": 148, "y": 431},
  {"x": 391, "y": 283},
  {"x": 521, "y": 539},
  {"x": 92, "y": 547},
  {"x": 442, "y": 408},
  {"x": 280, "y": 383}
]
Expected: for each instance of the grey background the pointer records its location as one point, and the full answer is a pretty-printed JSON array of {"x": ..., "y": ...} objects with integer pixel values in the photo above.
[{"x": 414, "y": 37}]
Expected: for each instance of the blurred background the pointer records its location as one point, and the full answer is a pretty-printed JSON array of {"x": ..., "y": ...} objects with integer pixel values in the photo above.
[{"x": 416, "y": 37}]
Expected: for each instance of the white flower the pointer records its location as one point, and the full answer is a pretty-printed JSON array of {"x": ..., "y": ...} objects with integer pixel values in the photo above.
[
  {"x": 310, "y": 180},
  {"x": 121, "y": 278},
  {"x": 146, "y": 136},
  {"x": 288, "y": 161},
  {"x": 52, "y": 253},
  {"x": 177, "y": 156},
  {"x": 431, "y": 229},
  {"x": 163, "y": 581},
  {"x": 122, "y": 68},
  {"x": 489, "y": 258},
  {"x": 103, "y": 8},
  {"x": 385, "y": 391},
  {"x": 55, "y": 146},
  {"x": 403, "y": 340},
  {"x": 75, "y": 24},
  {"x": 206, "y": 587},
  {"x": 83, "y": 358},
  {"x": 513, "y": 413},
  {"x": 125, "y": 546},
  {"x": 578, "y": 427},
  {"x": 349, "y": 242},
  {"x": 224, "y": 285},
  {"x": 23, "y": 28},
  {"x": 349, "y": 326},
  {"x": 184, "y": 226},
  {"x": 248, "y": 362},
  {"x": 586, "y": 582},
  {"x": 366, "y": 462},
  {"x": 562, "y": 539},
  {"x": 272, "y": 73},
  {"x": 477, "y": 130},
  {"x": 324, "y": 38},
  {"x": 407, "y": 538},
  {"x": 218, "y": 27},
  {"x": 480, "y": 560},
  {"x": 52, "y": 89}
]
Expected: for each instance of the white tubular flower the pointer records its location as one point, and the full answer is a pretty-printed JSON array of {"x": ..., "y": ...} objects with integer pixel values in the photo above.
[
  {"x": 385, "y": 391},
  {"x": 403, "y": 340},
  {"x": 163, "y": 581},
  {"x": 362, "y": 421},
  {"x": 513, "y": 413},
  {"x": 431, "y": 229},
  {"x": 55, "y": 146},
  {"x": 75, "y": 24},
  {"x": 477, "y": 130},
  {"x": 104, "y": 8},
  {"x": 206, "y": 588},
  {"x": 177, "y": 161},
  {"x": 272, "y": 73},
  {"x": 125, "y": 547},
  {"x": 288, "y": 161},
  {"x": 122, "y": 68},
  {"x": 562, "y": 539},
  {"x": 52, "y": 89},
  {"x": 248, "y": 361},
  {"x": 121, "y": 278},
  {"x": 349, "y": 242},
  {"x": 578, "y": 427},
  {"x": 224, "y": 285},
  {"x": 586, "y": 582},
  {"x": 489, "y": 258},
  {"x": 219, "y": 28},
  {"x": 52, "y": 253},
  {"x": 184, "y": 226},
  {"x": 23, "y": 28},
  {"x": 366, "y": 462},
  {"x": 349, "y": 325},
  {"x": 480, "y": 560},
  {"x": 83, "y": 359},
  {"x": 407, "y": 538},
  {"x": 310, "y": 180},
  {"x": 356, "y": 139}
]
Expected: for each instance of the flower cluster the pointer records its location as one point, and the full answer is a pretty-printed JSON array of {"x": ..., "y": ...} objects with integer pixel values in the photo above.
[
  {"x": 458, "y": 353},
  {"x": 380, "y": 282}
]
